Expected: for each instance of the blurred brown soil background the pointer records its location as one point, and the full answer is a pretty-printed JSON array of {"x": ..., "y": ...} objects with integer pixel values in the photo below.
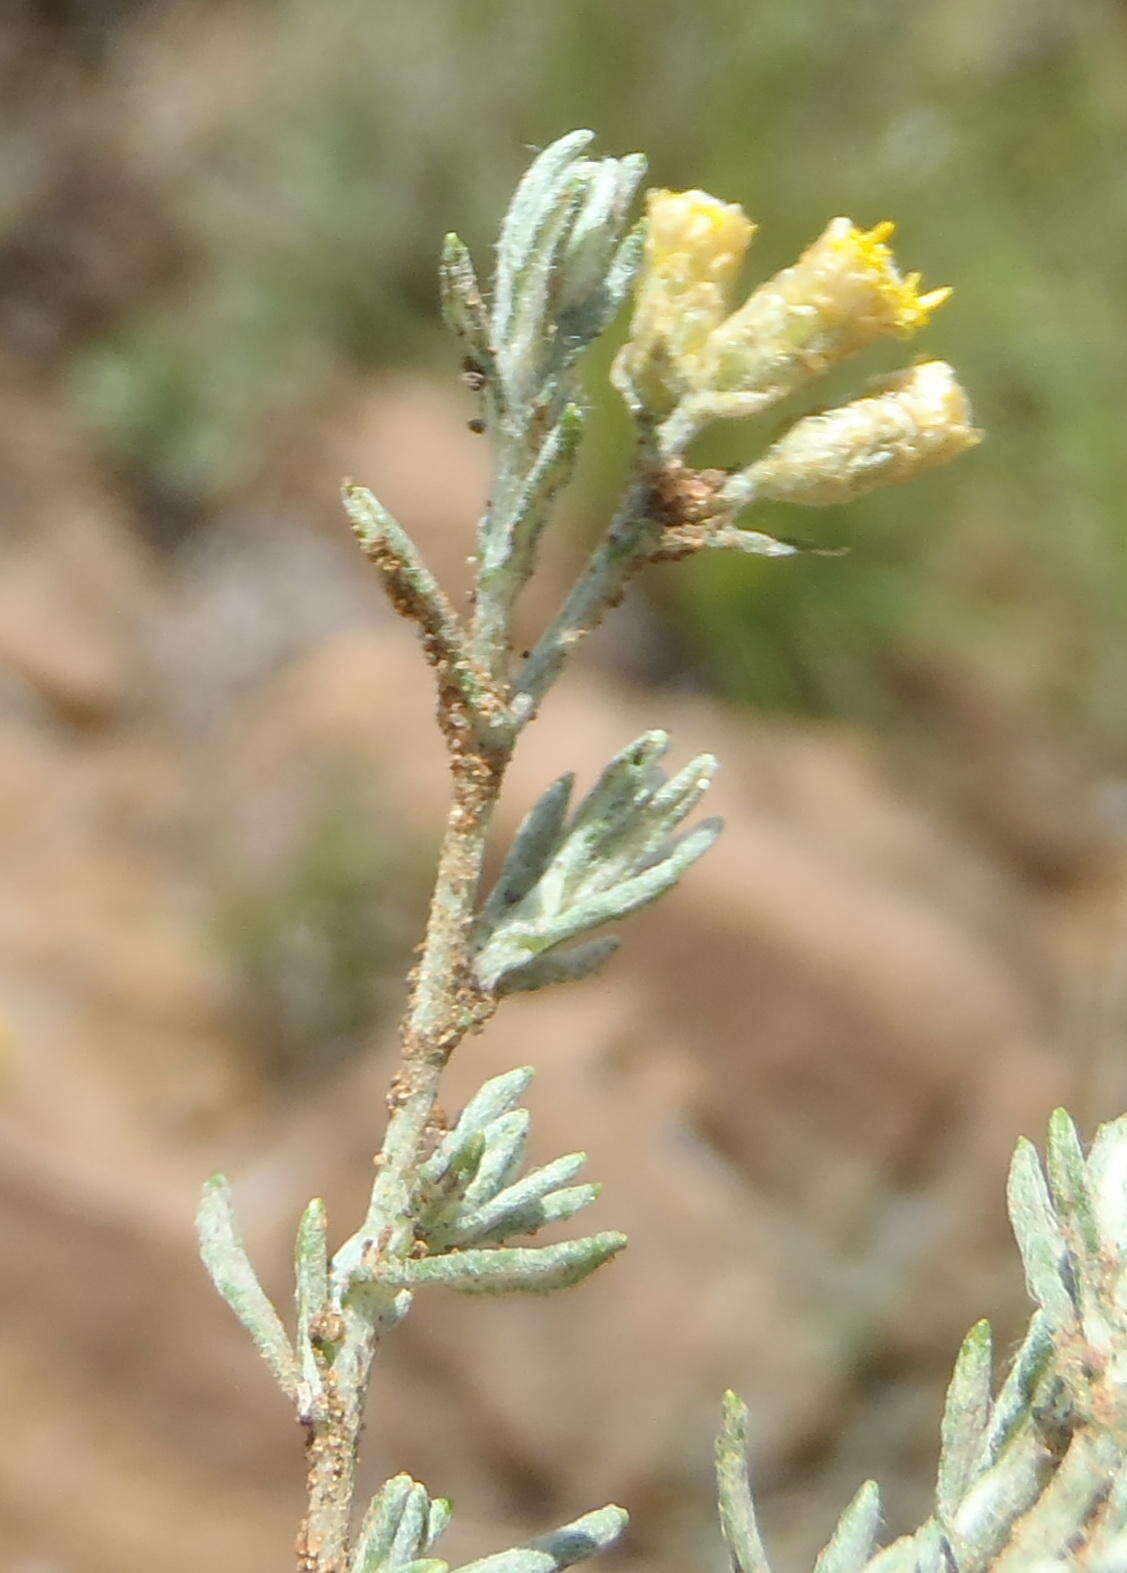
[{"x": 220, "y": 790}]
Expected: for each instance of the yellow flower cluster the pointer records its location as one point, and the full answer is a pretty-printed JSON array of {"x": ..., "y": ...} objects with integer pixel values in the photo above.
[
  {"x": 843, "y": 292},
  {"x": 691, "y": 360}
]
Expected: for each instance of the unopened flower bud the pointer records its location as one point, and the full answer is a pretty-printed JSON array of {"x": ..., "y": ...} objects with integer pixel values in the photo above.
[
  {"x": 919, "y": 420},
  {"x": 842, "y": 293},
  {"x": 694, "y": 247}
]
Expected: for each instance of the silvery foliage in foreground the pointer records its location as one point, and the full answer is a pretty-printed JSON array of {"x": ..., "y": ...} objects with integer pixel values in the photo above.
[
  {"x": 1032, "y": 1479},
  {"x": 458, "y": 1208}
]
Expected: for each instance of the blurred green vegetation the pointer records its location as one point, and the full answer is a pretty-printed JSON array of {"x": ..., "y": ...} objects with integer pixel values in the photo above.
[
  {"x": 317, "y": 941},
  {"x": 328, "y": 148}
]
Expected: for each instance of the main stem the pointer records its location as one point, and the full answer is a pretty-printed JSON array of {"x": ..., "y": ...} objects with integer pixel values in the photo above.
[{"x": 445, "y": 1004}]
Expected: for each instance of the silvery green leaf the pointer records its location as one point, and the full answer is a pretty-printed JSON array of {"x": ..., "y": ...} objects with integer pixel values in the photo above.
[
  {"x": 516, "y": 942},
  {"x": 575, "y": 1542},
  {"x": 524, "y": 350},
  {"x": 496, "y": 1097},
  {"x": 648, "y": 836},
  {"x": 535, "y": 198},
  {"x": 225, "y": 1258},
  {"x": 311, "y": 1272},
  {"x": 587, "y": 322},
  {"x": 462, "y": 306},
  {"x": 1107, "y": 1178},
  {"x": 556, "y": 1208},
  {"x": 501, "y": 1158},
  {"x": 1068, "y": 1179},
  {"x": 616, "y": 854},
  {"x": 524, "y": 1270},
  {"x": 597, "y": 232},
  {"x": 438, "y": 1517},
  {"x": 532, "y": 847},
  {"x": 1039, "y": 1238},
  {"x": 641, "y": 889},
  {"x": 1014, "y": 1401},
  {"x": 381, "y": 1524},
  {"x": 470, "y": 1224},
  {"x": 737, "y": 1513},
  {"x": 559, "y": 966},
  {"x": 550, "y": 472},
  {"x": 856, "y": 1532},
  {"x": 410, "y": 1532},
  {"x": 624, "y": 786},
  {"x": 965, "y": 1418}
]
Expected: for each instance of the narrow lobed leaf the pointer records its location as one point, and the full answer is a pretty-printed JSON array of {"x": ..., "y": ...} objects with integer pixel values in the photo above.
[
  {"x": 516, "y": 943},
  {"x": 647, "y": 840},
  {"x": 624, "y": 785},
  {"x": 311, "y": 1274},
  {"x": 852, "y": 1542},
  {"x": 1068, "y": 1179},
  {"x": 965, "y": 1418},
  {"x": 595, "y": 238},
  {"x": 225, "y": 1258},
  {"x": 550, "y": 472},
  {"x": 505, "y": 1139},
  {"x": 558, "y": 966},
  {"x": 559, "y": 1207},
  {"x": 527, "y": 1270},
  {"x": 534, "y": 197},
  {"x": 438, "y": 1517},
  {"x": 587, "y": 322},
  {"x": 526, "y": 347},
  {"x": 410, "y": 1532},
  {"x": 737, "y": 1512},
  {"x": 574, "y": 1542},
  {"x": 1107, "y": 1180},
  {"x": 496, "y": 1097},
  {"x": 1039, "y": 1238},
  {"x": 638, "y": 891},
  {"x": 463, "y": 309},
  {"x": 535, "y": 842},
  {"x": 1013, "y": 1406},
  {"x": 474, "y": 1222},
  {"x": 377, "y": 1532}
]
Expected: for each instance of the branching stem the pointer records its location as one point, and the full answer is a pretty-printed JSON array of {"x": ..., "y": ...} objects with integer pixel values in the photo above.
[
  {"x": 629, "y": 543},
  {"x": 445, "y": 1005}
]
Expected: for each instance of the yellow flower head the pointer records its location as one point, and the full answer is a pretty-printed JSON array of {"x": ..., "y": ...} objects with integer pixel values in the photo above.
[
  {"x": 919, "y": 419},
  {"x": 841, "y": 294},
  {"x": 695, "y": 245}
]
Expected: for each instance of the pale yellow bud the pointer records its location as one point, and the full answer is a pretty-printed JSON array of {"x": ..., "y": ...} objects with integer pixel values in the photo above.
[
  {"x": 695, "y": 245},
  {"x": 842, "y": 293},
  {"x": 919, "y": 420}
]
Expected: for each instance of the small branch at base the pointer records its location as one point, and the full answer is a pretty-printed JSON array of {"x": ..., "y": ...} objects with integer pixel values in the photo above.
[{"x": 468, "y": 700}]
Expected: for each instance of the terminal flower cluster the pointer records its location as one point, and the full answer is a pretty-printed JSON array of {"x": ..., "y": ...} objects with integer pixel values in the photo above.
[{"x": 691, "y": 360}]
